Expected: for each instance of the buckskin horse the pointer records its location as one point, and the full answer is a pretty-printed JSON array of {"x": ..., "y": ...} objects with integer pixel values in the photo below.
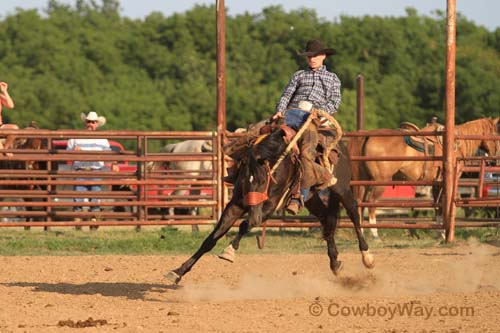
[
  {"x": 260, "y": 193},
  {"x": 378, "y": 146}
]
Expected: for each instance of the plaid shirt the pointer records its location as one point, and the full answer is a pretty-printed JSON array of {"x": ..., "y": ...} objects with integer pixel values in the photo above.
[{"x": 320, "y": 87}]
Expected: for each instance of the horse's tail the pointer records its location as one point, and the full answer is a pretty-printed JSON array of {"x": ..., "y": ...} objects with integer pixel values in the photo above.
[
  {"x": 358, "y": 171},
  {"x": 355, "y": 147}
]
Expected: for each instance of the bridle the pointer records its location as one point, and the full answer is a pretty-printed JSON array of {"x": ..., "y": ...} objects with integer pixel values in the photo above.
[{"x": 255, "y": 198}]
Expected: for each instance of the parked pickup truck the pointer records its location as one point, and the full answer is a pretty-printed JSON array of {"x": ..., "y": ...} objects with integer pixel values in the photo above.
[
  {"x": 491, "y": 190},
  {"x": 153, "y": 191},
  {"x": 115, "y": 146},
  {"x": 123, "y": 166},
  {"x": 467, "y": 188}
]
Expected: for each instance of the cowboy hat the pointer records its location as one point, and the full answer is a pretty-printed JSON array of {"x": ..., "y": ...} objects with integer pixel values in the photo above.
[
  {"x": 92, "y": 116},
  {"x": 315, "y": 47}
]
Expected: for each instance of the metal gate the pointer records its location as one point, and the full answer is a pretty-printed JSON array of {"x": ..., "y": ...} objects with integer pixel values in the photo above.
[{"x": 38, "y": 187}]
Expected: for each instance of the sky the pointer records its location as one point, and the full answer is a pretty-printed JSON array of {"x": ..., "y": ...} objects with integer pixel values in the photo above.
[{"x": 482, "y": 12}]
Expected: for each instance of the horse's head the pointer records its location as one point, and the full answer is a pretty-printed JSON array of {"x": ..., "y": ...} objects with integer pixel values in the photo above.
[
  {"x": 492, "y": 147},
  {"x": 25, "y": 143},
  {"x": 259, "y": 186},
  {"x": 33, "y": 143}
]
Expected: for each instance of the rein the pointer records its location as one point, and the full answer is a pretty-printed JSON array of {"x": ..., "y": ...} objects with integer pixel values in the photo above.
[
  {"x": 333, "y": 123},
  {"x": 255, "y": 198}
]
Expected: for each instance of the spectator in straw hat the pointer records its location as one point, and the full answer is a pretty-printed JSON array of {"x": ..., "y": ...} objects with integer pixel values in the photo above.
[
  {"x": 308, "y": 89},
  {"x": 92, "y": 121}
]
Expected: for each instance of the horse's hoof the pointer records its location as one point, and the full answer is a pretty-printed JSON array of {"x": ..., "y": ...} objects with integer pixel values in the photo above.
[
  {"x": 368, "y": 259},
  {"x": 228, "y": 253},
  {"x": 337, "y": 267},
  {"x": 173, "y": 277}
]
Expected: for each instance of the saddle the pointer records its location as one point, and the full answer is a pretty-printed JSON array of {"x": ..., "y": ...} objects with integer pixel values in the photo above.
[
  {"x": 326, "y": 138},
  {"x": 237, "y": 148},
  {"x": 429, "y": 145}
]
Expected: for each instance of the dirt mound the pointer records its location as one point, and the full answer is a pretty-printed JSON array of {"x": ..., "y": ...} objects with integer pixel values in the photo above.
[{"x": 83, "y": 323}]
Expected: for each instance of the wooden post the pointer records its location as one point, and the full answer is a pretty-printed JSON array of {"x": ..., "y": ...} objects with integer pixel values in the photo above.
[
  {"x": 221, "y": 102},
  {"x": 360, "y": 102},
  {"x": 449, "y": 158}
]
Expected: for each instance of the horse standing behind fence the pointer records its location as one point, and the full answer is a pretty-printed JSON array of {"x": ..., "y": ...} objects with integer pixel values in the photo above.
[
  {"x": 260, "y": 193},
  {"x": 377, "y": 146},
  {"x": 31, "y": 143},
  {"x": 190, "y": 169}
]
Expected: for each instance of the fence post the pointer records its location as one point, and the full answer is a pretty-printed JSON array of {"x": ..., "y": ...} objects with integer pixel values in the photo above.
[
  {"x": 221, "y": 100},
  {"x": 449, "y": 158},
  {"x": 360, "y": 102}
]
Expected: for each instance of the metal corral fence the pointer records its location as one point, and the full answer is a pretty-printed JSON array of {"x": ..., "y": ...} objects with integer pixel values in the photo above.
[
  {"x": 37, "y": 185},
  {"x": 480, "y": 166}
]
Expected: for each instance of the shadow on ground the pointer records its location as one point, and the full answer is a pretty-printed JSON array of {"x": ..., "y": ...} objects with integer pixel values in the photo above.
[{"x": 134, "y": 291}]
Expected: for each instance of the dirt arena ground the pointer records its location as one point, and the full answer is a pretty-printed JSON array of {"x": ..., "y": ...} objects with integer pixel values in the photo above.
[{"x": 451, "y": 289}]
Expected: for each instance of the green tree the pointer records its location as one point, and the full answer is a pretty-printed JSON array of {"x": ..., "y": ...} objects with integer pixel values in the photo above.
[{"x": 159, "y": 73}]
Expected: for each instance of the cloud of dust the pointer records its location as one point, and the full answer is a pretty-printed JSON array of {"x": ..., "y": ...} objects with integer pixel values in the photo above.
[
  {"x": 255, "y": 287},
  {"x": 466, "y": 268},
  {"x": 473, "y": 272},
  {"x": 425, "y": 271}
]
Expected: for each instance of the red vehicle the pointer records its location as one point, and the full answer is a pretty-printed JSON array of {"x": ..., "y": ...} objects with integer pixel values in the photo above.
[
  {"x": 115, "y": 146},
  {"x": 399, "y": 192},
  {"x": 154, "y": 192},
  {"x": 123, "y": 166}
]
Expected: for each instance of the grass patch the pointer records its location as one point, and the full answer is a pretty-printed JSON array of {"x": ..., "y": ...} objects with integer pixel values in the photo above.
[
  {"x": 484, "y": 235},
  {"x": 169, "y": 240}
]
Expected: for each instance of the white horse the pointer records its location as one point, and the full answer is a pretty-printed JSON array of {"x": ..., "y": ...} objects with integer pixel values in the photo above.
[{"x": 191, "y": 168}]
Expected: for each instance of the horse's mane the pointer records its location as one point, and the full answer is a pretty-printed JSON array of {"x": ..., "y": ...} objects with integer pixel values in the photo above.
[
  {"x": 270, "y": 148},
  {"x": 256, "y": 169},
  {"x": 265, "y": 153},
  {"x": 474, "y": 126},
  {"x": 480, "y": 126}
]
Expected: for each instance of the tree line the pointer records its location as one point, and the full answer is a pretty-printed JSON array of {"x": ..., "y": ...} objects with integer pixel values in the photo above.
[{"x": 159, "y": 73}]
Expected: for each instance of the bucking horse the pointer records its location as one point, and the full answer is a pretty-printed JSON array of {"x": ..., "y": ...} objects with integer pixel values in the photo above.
[{"x": 263, "y": 186}]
